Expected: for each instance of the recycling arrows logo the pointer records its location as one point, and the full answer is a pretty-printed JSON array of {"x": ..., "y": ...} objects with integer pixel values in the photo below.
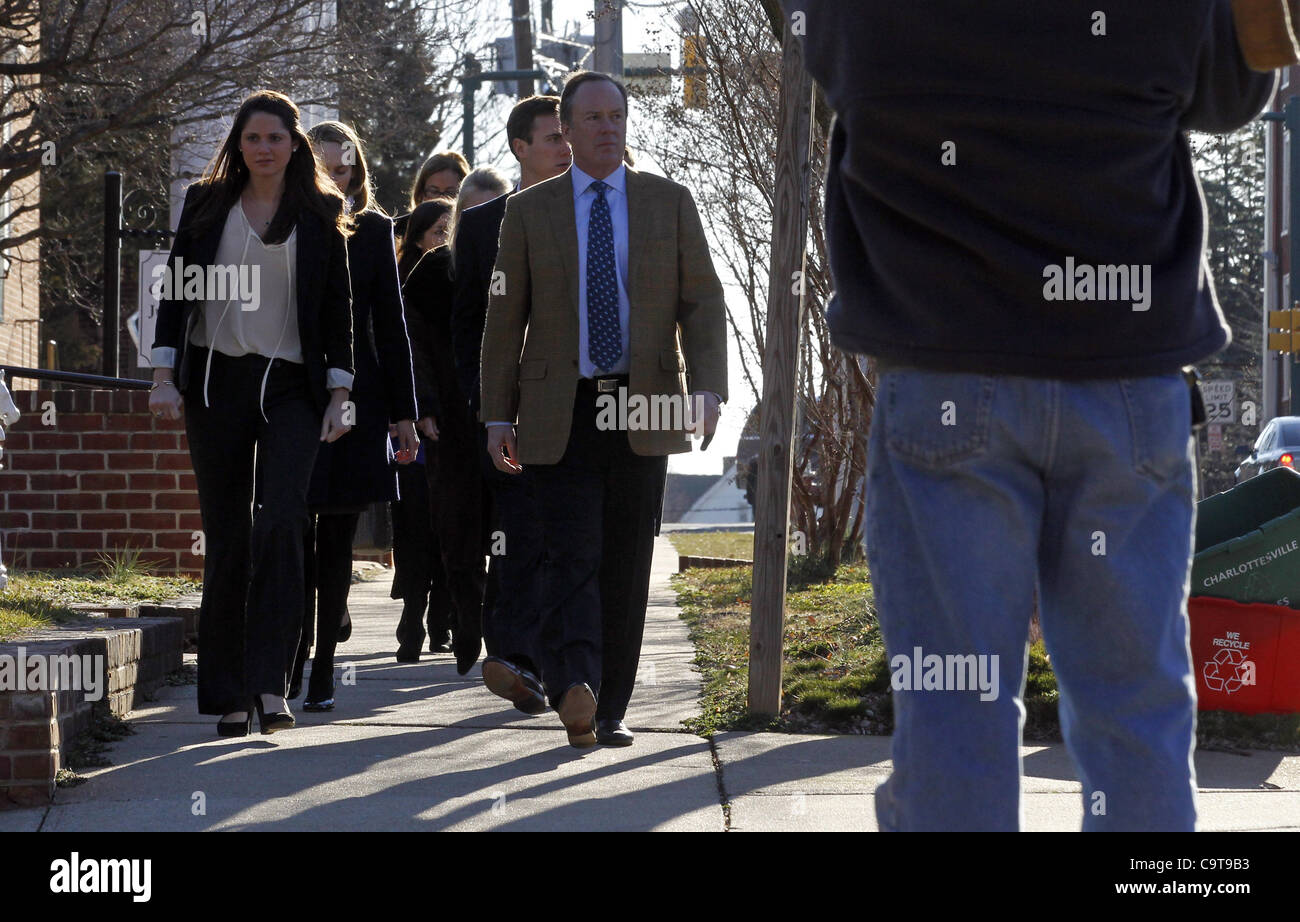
[{"x": 1228, "y": 671}]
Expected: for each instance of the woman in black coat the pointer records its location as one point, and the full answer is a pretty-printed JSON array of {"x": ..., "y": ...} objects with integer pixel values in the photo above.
[
  {"x": 455, "y": 484},
  {"x": 418, "y": 579},
  {"x": 354, "y": 472},
  {"x": 254, "y": 345}
]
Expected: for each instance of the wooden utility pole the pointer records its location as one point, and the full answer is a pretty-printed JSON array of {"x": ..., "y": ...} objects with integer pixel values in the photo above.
[
  {"x": 608, "y": 55},
  {"x": 523, "y": 21},
  {"x": 785, "y": 305}
]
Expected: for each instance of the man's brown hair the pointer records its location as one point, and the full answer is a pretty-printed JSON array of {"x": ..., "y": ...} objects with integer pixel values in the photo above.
[{"x": 520, "y": 123}]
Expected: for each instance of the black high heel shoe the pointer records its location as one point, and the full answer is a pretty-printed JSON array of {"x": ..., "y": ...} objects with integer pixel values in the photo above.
[
  {"x": 235, "y": 727},
  {"x": 325, "y": 704},
  {"x": 271, "y": 723},
  {"x": 318, "y": 700}
]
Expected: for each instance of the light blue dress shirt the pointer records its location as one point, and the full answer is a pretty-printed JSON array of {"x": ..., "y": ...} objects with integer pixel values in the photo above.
[{"x": 584, "y": 197}]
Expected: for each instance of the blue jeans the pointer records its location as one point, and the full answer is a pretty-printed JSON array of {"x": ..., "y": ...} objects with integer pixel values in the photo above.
[{"x": 982, "y": 488}]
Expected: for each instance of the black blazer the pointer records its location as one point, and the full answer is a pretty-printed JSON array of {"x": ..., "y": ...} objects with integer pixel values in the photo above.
[
  {"x": 427, "y": 293},
  {"x": 323, "y": 294},
  {"x": 355, "y": 470},
  {"x": 383, "y": 347},
  {"x": 477, "y": 236}
]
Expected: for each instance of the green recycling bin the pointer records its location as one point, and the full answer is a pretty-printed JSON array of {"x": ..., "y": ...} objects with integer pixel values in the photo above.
[{"x": 1248, "y": 541}]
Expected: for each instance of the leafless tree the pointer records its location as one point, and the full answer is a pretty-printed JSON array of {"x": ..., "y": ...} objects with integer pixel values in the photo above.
[
  {"x": 725, "y": 152},
  {"x": 90, "y": 85}
]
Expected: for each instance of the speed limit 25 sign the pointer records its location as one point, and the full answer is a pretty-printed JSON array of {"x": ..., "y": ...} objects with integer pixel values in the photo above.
[{"x": 1220, "y": 402}]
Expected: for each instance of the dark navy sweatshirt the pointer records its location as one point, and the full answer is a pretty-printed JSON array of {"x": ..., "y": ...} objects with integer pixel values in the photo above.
[{"x": 1009, "y": 188}]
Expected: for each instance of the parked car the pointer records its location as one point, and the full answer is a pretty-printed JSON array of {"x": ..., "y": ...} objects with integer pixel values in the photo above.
[{"x": 1277, "y": 446}]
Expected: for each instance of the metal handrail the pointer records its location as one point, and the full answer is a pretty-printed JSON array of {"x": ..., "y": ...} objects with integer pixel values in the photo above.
[{"x": 76, "y": 377}]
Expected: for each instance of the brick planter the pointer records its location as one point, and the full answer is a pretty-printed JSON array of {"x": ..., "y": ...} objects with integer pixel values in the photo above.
[{"x": 37, "y": 725}]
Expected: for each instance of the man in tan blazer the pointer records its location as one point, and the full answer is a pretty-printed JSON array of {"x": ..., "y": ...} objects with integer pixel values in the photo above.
[{"x": 605, "y": 345}]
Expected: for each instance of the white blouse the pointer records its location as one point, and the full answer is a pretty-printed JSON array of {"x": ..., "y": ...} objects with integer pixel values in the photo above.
[
  {"x": 250, "y": 302},
  {"x": 259, "y": 313}
]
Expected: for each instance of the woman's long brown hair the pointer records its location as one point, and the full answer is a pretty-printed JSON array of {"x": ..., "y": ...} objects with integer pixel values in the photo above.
[{"x": 307, "y": 187}]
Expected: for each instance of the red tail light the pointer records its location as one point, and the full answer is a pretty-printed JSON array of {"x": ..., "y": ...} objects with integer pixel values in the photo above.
[{"x": 1285, "y": 460}]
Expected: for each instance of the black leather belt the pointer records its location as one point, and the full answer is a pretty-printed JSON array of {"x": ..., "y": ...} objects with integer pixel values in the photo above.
[{"x": 606, "y": 385}]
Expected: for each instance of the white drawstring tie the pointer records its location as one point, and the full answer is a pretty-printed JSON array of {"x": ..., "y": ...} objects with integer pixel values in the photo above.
[{"x": 207, "y": 371}]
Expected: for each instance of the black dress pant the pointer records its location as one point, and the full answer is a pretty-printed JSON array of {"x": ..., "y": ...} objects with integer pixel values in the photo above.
[
  {"x": 598, "y": 508},
  {"x": 251, "y": 614},
  {"x": 512, "y": 601},
  {"x": 418, "y": 578},
  {"x": 327, "y": 570},
  {"x": 456, "y": 496}
]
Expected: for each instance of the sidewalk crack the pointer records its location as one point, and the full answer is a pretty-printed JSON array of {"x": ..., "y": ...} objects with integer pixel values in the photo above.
[{"x": 723, "y": 800}]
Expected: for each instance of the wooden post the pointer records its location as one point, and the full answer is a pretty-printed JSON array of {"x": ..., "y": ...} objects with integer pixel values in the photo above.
[
  {"x": 110, "y": 363},
  {"x": 780, "y": 366},
  {"x": 523, "y": 22},
  {"x": 607, "y": 55}
]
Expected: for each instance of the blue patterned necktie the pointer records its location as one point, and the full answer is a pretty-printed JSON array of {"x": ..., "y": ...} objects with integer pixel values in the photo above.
[{"x": 604, "y": 339}]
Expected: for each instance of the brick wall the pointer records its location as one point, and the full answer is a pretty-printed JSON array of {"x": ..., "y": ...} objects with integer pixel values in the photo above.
[
  {"x": 99, "y": 473},
  {"x": 105, "y": 474}
]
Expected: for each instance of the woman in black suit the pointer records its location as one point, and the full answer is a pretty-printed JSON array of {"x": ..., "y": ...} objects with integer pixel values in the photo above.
[
  {"x": 254, "y": 345},
  {"x": 455, "y": 484},
  {"x": 353, "y": 473},
  {"x": 418, "y": 578}
]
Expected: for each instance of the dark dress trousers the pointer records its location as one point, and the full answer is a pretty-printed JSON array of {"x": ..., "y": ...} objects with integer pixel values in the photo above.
[
  {"x": 418, "y": 578},
  {"x": 253, "y": 584},
  {"x": 511, "y": 600}
]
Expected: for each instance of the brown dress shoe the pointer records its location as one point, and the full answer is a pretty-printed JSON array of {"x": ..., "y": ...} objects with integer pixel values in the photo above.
[
  {"x": 514, "y": 683},
  {"x": 578, "y": 714}
]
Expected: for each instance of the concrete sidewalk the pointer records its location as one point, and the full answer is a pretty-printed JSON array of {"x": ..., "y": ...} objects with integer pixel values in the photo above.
[{"x": 418, "y": 747}]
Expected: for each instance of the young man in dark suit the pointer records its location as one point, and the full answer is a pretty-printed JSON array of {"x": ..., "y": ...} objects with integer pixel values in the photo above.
[
  {"x": 513, "y": 590},
  {"x": 606, "y": 292}
]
